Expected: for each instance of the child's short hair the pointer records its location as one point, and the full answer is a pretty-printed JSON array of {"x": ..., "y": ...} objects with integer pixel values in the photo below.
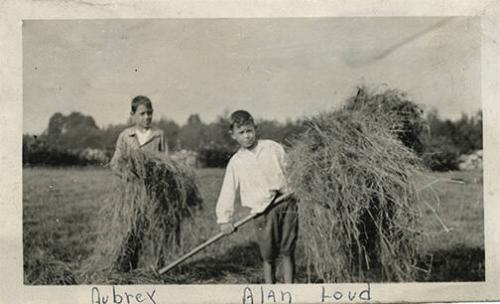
[
  {"x": 240, "y": 118},
  {"x": 140, "y": 100}
]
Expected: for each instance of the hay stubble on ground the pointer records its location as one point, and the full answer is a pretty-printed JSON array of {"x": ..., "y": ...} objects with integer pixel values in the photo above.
[{"x": 60, "y": 216}]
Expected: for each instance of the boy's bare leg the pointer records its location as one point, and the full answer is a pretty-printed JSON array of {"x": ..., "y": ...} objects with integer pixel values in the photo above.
[
  {"x": 269, "y": 272},
  {"x": 288, "y": 263}
]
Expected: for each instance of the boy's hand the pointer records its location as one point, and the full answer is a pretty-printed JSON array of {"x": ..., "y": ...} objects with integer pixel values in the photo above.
[{"x": 227, "y": 228}]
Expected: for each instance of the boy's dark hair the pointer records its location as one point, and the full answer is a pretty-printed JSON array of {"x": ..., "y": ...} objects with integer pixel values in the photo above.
[
  {"x": 140, "y": 100},
  {"x": 240, "y": 118}
]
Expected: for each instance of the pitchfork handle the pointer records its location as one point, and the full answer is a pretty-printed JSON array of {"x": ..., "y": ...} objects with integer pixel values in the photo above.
[{"x": 219, "y": 235}]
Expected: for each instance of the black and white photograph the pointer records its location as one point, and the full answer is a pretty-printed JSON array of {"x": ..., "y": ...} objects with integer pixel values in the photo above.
[
  {"x": 143, "y": 138},
  {"x": 337, "y": 153}
]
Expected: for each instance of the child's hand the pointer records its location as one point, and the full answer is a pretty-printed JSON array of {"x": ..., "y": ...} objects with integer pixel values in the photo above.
[{"x": 227, "y": 228}]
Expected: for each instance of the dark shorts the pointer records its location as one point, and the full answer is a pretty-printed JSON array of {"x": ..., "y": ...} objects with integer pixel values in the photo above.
[{"x": 277, "y": 230}]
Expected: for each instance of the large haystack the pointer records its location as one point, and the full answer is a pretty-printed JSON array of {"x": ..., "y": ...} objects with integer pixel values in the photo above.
[
  {"x": 141, "y": 219},
  {"x": 358, "y": 204}
]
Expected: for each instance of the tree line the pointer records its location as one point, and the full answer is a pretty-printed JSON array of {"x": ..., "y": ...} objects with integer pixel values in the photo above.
[{"x": 75, "y": 139}]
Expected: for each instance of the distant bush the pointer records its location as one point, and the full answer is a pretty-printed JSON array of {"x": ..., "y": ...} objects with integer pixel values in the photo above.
[
  {"x": 446, "y": 140},
  {"x": 94, "y": 156},
  {"x": 440, "y": 154},
  {"x": 214, "y": 158},
  {"x": 188, "y": 157},
  {"x": 37, "y": 152},
  {"x": 473, "y": 161},
  {"x": 51, "y": 157}
]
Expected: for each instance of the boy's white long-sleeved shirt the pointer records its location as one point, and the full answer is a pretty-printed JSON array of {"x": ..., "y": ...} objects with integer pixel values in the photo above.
[{"x": 258, "y": 174}]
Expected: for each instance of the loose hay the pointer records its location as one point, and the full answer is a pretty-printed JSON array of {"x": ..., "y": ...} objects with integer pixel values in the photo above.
[
  {"x": 41, "y": 268},
  {"x": 140, "y": 221},
  {"x": 358, "y": 213}
]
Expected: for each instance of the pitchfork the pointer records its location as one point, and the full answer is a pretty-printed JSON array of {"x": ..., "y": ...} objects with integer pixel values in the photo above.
[{"x": 220, "y": 235}]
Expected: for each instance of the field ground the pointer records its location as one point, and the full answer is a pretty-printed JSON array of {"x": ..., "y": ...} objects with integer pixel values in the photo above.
[{"x": 60, "y": 215}]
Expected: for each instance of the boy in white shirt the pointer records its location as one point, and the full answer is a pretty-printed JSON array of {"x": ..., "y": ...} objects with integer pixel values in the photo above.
[{"x": 257, "y": 171}]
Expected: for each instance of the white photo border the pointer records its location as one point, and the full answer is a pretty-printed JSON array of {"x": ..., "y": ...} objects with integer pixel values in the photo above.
[{"x": 12, "y": 289}]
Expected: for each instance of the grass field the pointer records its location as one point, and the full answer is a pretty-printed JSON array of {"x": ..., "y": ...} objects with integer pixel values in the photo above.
[{"x": 60, "y": 218}]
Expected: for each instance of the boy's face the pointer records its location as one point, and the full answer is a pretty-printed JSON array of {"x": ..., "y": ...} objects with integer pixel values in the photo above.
[
  {"x": 143, "y": 116},
  {"x": 244, "y": 135}
]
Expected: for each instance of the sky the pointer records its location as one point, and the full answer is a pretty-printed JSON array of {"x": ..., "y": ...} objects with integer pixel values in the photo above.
[{"x": 276, "y": 68}]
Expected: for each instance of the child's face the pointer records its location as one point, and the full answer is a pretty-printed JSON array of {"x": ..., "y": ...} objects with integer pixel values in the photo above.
[
  {"x": 244, "y": 135},
  {"x": 143, "y": 116}
]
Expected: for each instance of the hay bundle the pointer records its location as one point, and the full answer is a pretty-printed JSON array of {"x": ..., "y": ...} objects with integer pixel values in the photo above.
[
  {"x": 358, "y": 211},
  {"x": 141, "y": 219}
]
